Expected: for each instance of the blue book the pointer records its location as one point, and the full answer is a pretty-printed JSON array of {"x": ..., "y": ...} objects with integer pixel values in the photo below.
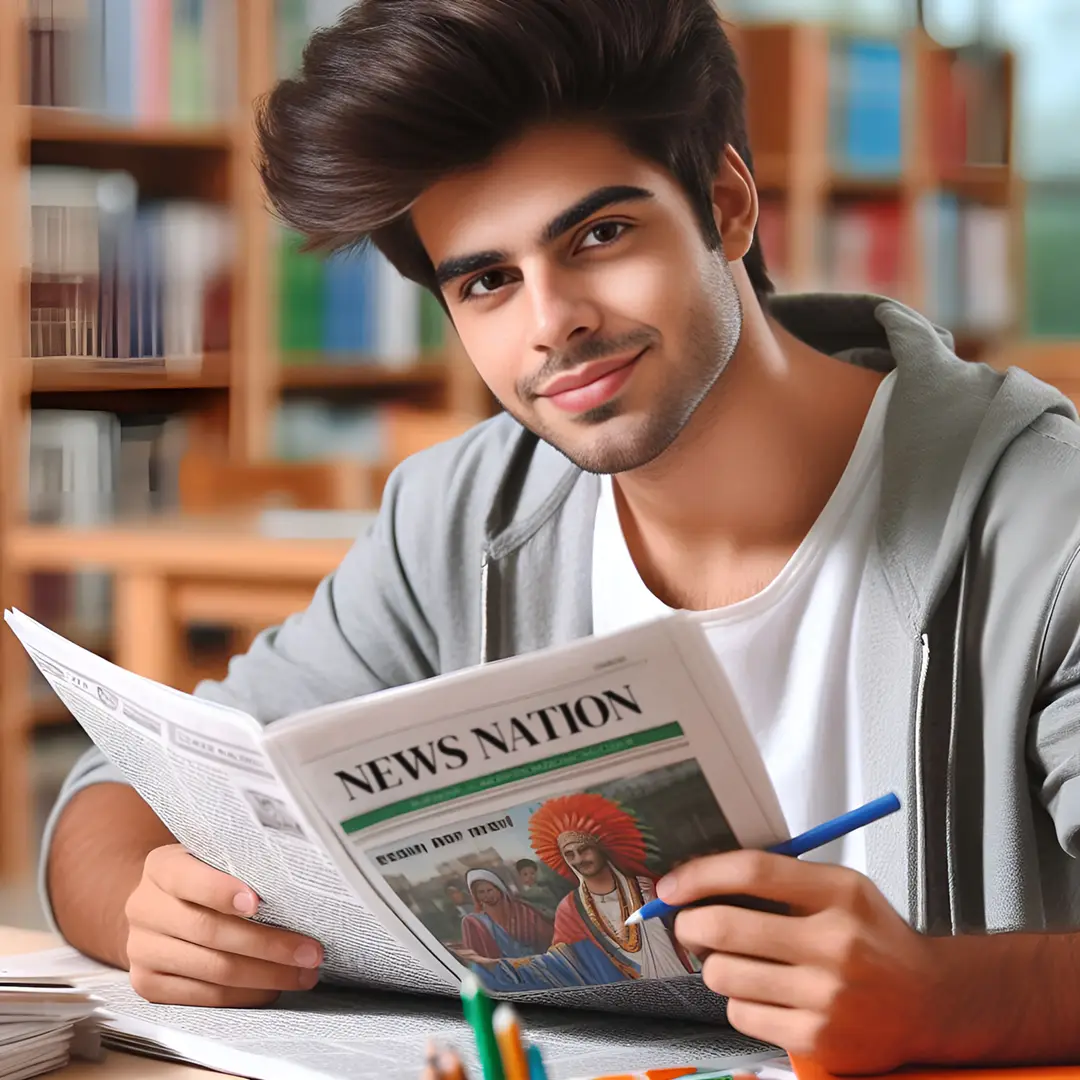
[
  {"x": 119, "y": 66},
  {"x": 873, "y": 142},
  {"x": 348, "y": 319}
]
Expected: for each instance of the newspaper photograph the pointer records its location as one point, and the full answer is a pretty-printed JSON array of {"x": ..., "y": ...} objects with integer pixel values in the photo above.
[{"x": 537, "y": 895}]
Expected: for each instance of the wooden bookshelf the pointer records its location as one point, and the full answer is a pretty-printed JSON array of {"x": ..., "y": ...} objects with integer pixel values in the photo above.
[
  {"x": 229, "y": 396},
  {"x": 59, "y": 125}
]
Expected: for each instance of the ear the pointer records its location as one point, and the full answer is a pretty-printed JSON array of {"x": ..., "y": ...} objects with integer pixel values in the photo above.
[{"x": 735, "y": 204}]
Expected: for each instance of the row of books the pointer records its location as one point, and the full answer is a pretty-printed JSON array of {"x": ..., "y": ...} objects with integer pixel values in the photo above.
[
  {"x": 112, "y": 277},
  {"x": 87, "y": 468},
  {"x": 967, "y": 255},
  {"x": 967, "y": 283},
  {"x": 136, "y": 61},
  {"x": 966, "y": 107},
  {"x": 352, "y": 307}
]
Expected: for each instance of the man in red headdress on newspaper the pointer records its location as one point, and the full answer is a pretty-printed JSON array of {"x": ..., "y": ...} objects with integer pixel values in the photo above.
[{"x": 592, "y": 840}]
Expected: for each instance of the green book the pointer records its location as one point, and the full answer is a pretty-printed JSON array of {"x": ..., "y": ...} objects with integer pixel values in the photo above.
[
  {"x": 187, "y": 72},
  {"x": 301, "y": 300},
  {"x": 432, "y": 324}
]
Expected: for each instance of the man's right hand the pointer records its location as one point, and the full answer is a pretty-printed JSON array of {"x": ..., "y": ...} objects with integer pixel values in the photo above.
[{"x": 191, "y": 940}]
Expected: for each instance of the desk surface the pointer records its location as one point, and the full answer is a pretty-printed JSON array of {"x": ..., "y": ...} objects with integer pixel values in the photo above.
[{"x": 13, "y": 942}]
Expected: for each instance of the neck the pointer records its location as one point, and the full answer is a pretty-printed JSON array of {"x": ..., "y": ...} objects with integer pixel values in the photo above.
[
  {"x": 757, "y": 462},
  {"x": 602, "y": 883}
]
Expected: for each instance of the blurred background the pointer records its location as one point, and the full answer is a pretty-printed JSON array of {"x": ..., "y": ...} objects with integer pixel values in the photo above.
[{"x": 196, "y": 416}]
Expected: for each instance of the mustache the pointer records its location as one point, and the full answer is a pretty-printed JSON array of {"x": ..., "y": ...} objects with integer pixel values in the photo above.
[{"x": 592, "y": 349}]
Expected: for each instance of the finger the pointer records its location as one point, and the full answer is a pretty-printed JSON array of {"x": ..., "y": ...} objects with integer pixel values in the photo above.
[
  {"x": 176, "y": 871},
  {"x": 158, "y": 911},
  {"x": 793, "y": 1030},
  {"x": 807, "y": 887},
  {"x": 719, "y": 928},
  {"x": 171, "y": 956},
  {"x": 163, "y": 989},
  {"x": 766, "y": 982}
]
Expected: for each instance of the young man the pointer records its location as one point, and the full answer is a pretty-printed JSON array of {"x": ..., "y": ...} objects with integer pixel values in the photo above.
[{"x": 884, "y": 537}]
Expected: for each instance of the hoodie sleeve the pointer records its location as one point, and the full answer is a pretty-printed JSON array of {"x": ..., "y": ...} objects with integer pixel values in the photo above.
[{"x": 1054, "y": 735}]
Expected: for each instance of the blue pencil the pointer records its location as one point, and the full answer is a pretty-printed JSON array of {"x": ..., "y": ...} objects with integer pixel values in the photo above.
[{"x": 818, "y": 836}]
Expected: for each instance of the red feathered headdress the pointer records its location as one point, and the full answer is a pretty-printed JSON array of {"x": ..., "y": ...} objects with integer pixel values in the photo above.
[{"x": 612, "y": 827}]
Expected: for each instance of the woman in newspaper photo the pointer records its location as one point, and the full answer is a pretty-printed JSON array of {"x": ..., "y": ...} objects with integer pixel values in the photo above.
[{"x": 502, "y": 925}]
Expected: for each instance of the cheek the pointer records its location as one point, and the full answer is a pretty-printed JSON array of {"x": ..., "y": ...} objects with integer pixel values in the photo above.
[{"x": 494, "y": 345}]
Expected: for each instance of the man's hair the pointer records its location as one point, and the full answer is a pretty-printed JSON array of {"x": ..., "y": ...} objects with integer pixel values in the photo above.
[
  {"x": 399, "y": 94},
  {"x": 524, "y": 864}
]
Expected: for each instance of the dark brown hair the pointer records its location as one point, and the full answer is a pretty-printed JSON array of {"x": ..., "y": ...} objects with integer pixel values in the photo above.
[{"x": 400, "y": 93}]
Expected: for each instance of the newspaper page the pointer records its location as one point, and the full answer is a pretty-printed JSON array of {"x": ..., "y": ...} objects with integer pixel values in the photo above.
[
  {"x": 513, "y": 816},
  {"x": 357, "y": 1035},
  {"x": 201, "y": 768}
]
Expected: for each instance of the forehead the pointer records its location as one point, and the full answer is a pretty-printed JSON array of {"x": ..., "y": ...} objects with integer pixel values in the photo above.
[{"x": 506, "y": 201}]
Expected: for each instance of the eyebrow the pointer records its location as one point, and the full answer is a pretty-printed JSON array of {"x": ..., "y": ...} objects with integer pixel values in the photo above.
[{"x": 459, "y": 265}]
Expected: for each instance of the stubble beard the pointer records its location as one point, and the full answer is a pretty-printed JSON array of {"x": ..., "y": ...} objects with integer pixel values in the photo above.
[{"x": 714, "y": 330}]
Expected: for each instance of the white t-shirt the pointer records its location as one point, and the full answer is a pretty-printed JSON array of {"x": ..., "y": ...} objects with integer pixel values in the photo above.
[{"x": 787, "y": 651}]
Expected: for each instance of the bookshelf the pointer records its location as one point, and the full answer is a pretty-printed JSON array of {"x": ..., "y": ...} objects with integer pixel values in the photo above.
[
  {"x": 178, "y": 147},
  {"x": 230, "y": 395}
]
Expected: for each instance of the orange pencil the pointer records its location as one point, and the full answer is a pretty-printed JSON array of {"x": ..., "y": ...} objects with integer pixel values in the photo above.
[{"x": 508, "y": 1036}]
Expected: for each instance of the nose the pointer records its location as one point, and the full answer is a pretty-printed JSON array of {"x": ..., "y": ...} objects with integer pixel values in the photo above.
[{"x": 562, "y": 309}]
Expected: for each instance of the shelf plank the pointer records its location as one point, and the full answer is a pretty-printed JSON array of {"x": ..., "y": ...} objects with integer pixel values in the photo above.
[
  {"x": 361, "y": 376},
  {"x": 64, "y": 375},
  {"x": 51, "y": 124},
  {"x": 990, "y": 184}
]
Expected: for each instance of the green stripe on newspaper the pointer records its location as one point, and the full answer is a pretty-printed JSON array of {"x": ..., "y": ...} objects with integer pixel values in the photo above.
[{"x": 508, "y": 776}]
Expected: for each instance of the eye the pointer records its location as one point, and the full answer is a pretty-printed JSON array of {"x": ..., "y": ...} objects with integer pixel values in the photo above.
[
  {"x": 605, "y": 232},
  {"x": 489, "y": 281}
]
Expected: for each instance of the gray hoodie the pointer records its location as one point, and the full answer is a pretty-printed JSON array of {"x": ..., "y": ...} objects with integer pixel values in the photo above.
[{"x": 970, "y": 666}]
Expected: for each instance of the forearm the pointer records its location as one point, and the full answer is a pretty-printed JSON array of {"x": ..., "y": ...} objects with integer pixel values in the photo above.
[
  {"x": 96, "y": 859},
  {"x": 1006, "y": 999}
]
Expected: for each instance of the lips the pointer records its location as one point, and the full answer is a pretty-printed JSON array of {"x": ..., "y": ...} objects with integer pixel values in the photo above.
[
  {"x": 591, "y": 386},
  {"x": 590, "y": 373}
]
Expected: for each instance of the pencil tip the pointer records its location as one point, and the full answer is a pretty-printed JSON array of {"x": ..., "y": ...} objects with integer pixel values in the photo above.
[{"x": 633, "y": 920}]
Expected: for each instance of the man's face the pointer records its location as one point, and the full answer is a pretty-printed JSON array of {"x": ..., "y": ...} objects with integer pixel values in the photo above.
[
  {"x": 456, "y": 896},
  {"x": 579, "y": 282},
  {"x": 527, "y": 875},
  {"x": 584, "y": 856}
]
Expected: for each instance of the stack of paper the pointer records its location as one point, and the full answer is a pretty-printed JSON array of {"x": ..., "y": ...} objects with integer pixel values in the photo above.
[
  {"x": 42, "y": 1026},
  {"x": 48, "y": 1003}
]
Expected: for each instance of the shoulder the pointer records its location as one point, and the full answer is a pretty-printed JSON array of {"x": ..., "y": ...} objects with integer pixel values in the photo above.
[{"x": 493, "y": 475}]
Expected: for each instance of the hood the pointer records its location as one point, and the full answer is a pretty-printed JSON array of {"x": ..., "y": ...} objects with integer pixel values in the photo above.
[{"x": 948, "y": 424}]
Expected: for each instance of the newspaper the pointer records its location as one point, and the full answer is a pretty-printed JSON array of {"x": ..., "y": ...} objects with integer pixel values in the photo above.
[
  {"x": 503, "y": 819},
  {"x": 352, "y": 1033}
]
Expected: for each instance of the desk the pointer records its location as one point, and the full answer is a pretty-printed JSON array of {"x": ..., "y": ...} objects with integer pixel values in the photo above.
[
  {"x": 168, "y": 574},
  {"x": 13, "y": 942}
]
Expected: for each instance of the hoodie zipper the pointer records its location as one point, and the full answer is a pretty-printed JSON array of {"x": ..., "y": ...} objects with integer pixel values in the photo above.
[
  {"x": 484, "y": 647},
  {"x": 918, "y": 891}
]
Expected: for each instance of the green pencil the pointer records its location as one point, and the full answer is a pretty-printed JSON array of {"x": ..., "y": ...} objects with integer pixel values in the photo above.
[{"x": 479, "y": 1009}]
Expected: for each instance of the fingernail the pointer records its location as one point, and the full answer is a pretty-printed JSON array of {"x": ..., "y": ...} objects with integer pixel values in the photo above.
[
  {"x": 245, "y": 903},
  {"x": 307, "y": 979},
  {"x": 667, "y": 887},
  {"x": 308, "y": 956}
]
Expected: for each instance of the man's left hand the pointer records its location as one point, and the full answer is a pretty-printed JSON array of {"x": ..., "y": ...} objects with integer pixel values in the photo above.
[{"x": 841, "y": 979}]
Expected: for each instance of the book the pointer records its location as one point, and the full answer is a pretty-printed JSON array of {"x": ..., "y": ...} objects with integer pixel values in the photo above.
[
  {"x": 352, "y": 307},
  {"x": 390, "y": 826},
  {"x": 134, "y": 61},
  {"x": 116, "y": 278}
]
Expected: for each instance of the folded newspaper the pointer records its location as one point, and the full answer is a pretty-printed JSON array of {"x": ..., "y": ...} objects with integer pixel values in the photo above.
[{"x": 503, "y": 819}]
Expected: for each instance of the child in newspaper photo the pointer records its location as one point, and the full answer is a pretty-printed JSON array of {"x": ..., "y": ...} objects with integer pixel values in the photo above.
[{"x": 548, "y": 884}]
